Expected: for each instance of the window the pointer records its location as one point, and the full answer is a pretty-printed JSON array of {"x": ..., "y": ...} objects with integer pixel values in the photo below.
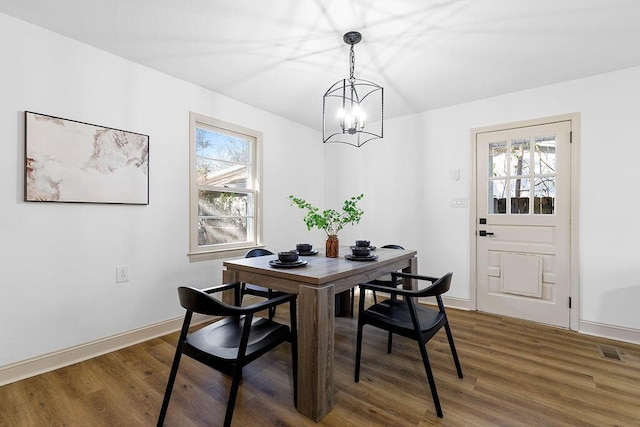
[
  {"x": 224, "y": 186},
  {"x": 511, "y": 176}
]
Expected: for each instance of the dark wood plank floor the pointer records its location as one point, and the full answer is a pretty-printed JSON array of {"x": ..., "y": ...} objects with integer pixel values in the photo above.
[{"x": 516, "y": 374}]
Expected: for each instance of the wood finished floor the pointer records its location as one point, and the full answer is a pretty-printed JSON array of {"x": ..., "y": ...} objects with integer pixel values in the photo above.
[{"x": 516, "y": 374}]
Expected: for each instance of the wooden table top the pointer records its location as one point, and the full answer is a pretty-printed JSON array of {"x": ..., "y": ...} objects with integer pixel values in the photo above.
[{"x": 320, "y": 269}]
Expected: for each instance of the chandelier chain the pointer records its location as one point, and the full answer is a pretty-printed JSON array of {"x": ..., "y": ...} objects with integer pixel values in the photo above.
[{"x": 352, "y": 65}]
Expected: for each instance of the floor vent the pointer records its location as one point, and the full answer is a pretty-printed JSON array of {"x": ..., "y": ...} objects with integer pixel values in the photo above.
[{"x": 608, "y": 352}]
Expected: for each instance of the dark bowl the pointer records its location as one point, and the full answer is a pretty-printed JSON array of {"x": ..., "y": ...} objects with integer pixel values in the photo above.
[
  {"x": 288, "y": 256},
  {"x": 363, "y": 243},
  {"x": 360, "y": 251},
  {"x": 304, "y": 247}
]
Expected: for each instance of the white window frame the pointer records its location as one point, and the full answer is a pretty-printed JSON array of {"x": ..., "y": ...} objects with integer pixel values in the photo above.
[{"x": 196, "y": 251}]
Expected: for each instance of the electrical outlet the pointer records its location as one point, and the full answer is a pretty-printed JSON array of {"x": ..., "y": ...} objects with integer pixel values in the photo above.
[{"x": 122, "y": 273}]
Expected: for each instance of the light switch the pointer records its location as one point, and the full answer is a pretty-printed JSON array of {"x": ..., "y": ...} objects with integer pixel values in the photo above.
[{"x": 459, "y": 202}]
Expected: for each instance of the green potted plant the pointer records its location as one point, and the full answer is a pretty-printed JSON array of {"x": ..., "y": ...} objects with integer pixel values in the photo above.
[{"x": 330, "y": 220}]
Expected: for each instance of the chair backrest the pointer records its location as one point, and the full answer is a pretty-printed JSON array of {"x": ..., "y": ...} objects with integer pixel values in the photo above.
[
  {"x": 197, "y": 301},
  {"x": 392, "y": 247},
  {"x": 257, "y": 252},
  {"x": 440, "y": 286}
]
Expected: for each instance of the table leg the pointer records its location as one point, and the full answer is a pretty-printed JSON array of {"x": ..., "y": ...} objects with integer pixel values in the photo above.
[
  {"x": 315, "y": 351},
  {"x": 413, "y": 269},
  {"x": 228, "y": 277}
]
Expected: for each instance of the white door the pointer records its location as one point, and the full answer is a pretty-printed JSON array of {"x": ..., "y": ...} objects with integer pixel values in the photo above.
[{"x": 523, "y": 222}]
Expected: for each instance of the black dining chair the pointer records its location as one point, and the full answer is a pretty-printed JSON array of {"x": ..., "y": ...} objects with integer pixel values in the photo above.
[
  {"x": 381, "y": 281},
  {"x": 406, "y": 317},
  {"x": 259, "y": 291},
  {"x": 233, "y": 342}
]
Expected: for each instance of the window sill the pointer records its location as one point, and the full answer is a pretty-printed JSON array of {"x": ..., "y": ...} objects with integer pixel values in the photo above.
[{"x": 220, "y": 254}]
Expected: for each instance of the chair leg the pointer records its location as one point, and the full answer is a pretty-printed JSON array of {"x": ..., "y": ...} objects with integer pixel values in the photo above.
[
  {"x": 294, "y": 350},
  {"x": 170, "y": 382},
  {"x": 233, "y": 394},
  {"x": 356, "y": 377},
  {"x": 375, "y": 298},
  {"x": 294, "y": 357},
  {"x": 432, "y": 383},
  {"x": 389, "y": 342},
  {"x": 453, "y": 349}
]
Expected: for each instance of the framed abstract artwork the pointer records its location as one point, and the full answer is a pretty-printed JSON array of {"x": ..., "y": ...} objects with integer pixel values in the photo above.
[{"x": 76, "y": 162}]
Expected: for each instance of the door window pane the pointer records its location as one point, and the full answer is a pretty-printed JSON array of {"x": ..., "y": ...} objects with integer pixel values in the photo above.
[
  {"x": 498, "y": 159},
  {"x": 497, "y": 196},
  {"x": 520, "y": 157},
  {"x": 519, "y": 191},
  {"x": 544, "y": 195},
  {"x": 545, "y": 155}
]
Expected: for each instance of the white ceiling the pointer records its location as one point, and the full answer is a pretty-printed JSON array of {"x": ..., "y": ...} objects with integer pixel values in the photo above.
[{"x": 282, "y": 55}]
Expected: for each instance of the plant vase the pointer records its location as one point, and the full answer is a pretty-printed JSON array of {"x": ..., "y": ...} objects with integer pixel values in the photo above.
[{"x": 332, "y": 248}]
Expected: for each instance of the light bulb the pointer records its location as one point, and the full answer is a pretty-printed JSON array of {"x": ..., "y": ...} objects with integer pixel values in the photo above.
[{"x": 351, "y": 119}]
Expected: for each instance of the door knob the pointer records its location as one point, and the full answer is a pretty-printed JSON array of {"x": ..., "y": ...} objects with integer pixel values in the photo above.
[{"x": 484, "y": 233}]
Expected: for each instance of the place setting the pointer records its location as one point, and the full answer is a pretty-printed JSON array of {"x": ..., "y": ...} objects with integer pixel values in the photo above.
[
  {"x": 362, "y": 251},
  {"x": 306, "y": 249},
  {"x": 288, "y": 259}
]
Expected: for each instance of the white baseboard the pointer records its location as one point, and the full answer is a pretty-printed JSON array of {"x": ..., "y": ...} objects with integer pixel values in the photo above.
[
  {"x": 602, "y": 330},
  {"x": 58, "y": 359},
  {"x": 449, "y": 302},
  {"x": 455, "y": 302},
  {"x": 618, "y": 333}
]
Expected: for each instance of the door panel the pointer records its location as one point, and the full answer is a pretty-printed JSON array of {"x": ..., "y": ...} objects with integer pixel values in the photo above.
[{"x": 523, "y": 195}]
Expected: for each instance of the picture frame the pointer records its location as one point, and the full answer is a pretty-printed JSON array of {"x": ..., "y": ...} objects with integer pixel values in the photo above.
[{"x": 70, "y": 161}]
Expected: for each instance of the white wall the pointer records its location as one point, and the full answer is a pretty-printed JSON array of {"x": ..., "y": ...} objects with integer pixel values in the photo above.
[
  {"x": 408, "y": 185},
  {"x": 58, "y": 260}
]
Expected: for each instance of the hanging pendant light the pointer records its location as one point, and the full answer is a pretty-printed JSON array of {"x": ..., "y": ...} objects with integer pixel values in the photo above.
[{"x": 352, "y": 109}]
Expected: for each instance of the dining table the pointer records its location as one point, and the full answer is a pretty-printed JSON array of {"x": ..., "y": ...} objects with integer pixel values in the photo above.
[{"x": 316, "y": 282}]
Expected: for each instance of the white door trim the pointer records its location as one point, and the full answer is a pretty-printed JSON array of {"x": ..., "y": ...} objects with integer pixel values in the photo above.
[{"x": 574, "y": 118}]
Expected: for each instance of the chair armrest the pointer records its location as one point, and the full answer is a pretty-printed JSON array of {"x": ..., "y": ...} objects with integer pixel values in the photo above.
[
  {"x": 237, "y": 294},
  {"x": 413, "y": 276},
  {"x": 388, "y": 290},
  {"x": 220, "y": 288},
  {"x": 262, "y": 305},
  {"x": 419, "y": 293}
]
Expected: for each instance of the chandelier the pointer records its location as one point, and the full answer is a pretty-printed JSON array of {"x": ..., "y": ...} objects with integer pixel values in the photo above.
[{"x": 352, "y": 109}]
